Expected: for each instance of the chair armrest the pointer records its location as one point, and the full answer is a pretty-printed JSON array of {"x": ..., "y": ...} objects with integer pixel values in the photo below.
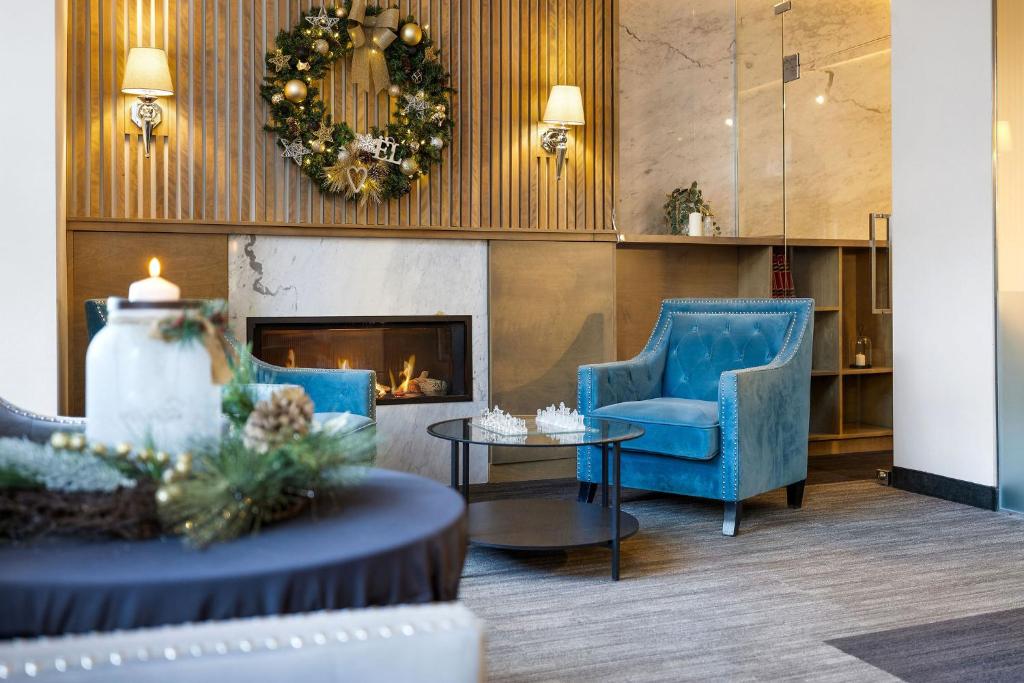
[
  {"x": 636, "y": 379},
  {"x": 764, "y": 413},
  {"x": 332, "y": 391},
  {"x": 18, "y": 422}
]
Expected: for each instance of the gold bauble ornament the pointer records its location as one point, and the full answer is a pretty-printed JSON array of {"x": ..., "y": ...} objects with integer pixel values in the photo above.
[
  {"x": 411, "y": 33},
  {"x": 295, "y": 90},
  {"x": 76, "y": 442},
  {"x": 394, "y": 90},
  {"x": 321, "y": 46},
  {"x": 340, "y": 12},
  {"x": 59, "y": 440},
  {"x": 316, "y": 146},
  {"x": 277, "y": 97},
  {"x": 98, "y": 448},
  {"x": 410, "y": 166},
  {"x": 123, "y": 449}
]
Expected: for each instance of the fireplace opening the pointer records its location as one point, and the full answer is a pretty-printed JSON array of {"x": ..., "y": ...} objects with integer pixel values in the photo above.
[{"x": 418, "y": 359}]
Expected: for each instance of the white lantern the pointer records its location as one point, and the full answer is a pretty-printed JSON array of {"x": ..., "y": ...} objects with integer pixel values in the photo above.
[{"x": 146, "y": 391}]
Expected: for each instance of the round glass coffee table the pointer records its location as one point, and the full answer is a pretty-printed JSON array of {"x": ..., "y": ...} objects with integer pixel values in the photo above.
[{"x": 538, "y": 523}]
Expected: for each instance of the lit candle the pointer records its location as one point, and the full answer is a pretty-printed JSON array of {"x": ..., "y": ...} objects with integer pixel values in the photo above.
[{"x": 154, "y": 287}]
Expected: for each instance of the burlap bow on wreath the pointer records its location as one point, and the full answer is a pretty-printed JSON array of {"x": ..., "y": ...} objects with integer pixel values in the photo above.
[{"x": 368, "y": 55}]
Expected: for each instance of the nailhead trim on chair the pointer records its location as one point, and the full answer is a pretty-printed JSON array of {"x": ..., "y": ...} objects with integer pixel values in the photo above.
[
  {"x": 70, "y": 421},
  {"x": 211, "y": 648}
]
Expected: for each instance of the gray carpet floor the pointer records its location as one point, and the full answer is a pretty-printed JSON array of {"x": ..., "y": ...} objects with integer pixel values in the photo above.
[{"x": 694, "y": 605}]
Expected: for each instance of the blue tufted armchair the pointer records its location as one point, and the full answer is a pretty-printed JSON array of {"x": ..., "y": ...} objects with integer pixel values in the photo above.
[
  {"x": 722, "y": 389},
  {"x": 332, "y": 391}
]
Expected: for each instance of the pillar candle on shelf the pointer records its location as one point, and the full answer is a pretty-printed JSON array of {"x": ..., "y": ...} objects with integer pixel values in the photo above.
[
  {"x": 695, "y": 224},
  {"x": 154, "y": 287}
]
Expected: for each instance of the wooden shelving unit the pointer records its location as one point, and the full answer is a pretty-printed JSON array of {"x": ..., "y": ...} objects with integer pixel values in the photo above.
[{"x": 847, "y": 404}]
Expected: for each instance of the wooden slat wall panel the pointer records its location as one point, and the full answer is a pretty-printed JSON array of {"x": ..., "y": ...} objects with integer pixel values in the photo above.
[{"x": 213, "y": 162}]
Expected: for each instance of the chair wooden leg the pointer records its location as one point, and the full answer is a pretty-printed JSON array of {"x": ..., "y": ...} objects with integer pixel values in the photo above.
[
  {"x": 733, "y": 513},
  {"x": 587, "y": 492},
  {"x": 795, "y": 494}
]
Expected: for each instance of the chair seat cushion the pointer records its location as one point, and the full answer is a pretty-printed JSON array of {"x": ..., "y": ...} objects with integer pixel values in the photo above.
[{"x": 679, "y": 427}]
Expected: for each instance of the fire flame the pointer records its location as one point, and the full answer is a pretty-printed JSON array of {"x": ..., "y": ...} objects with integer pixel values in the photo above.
[
  {"x": 407, "y": 369},
  {"x": 290, "y": 363},
  {"x": 403, "y": 387},
  {"x": 343, "y": 364},
  {"x": 154, "y": 267}
]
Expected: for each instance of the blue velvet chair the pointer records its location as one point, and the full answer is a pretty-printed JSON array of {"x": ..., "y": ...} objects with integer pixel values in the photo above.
[
  {"x": 722, "y": 389},
  {"x": 332, "y": 391}
]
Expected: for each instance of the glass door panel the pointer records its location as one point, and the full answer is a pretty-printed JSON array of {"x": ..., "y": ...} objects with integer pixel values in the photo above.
[
  {"x": 759, "y": 128},
  {"x": 838, "y": 153}
]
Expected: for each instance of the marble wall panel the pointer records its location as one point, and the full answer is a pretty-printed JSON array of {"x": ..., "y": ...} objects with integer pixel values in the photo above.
[
  {"x": 308, "y": 276},
  {"x": 675, "y": 95}
]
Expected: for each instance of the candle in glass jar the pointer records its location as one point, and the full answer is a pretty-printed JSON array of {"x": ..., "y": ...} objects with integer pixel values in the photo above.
[
  {"x": 860, "y": 360},
  {"x": 154, "y": 287}
]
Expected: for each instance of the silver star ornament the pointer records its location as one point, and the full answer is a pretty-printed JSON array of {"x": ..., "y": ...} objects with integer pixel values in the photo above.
[
  {"x": 322, "y": 20},
  {"x": 295, "y": 150}
]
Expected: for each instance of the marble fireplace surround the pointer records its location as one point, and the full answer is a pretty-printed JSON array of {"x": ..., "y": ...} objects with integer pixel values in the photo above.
[{"x": 273, "y": 276}]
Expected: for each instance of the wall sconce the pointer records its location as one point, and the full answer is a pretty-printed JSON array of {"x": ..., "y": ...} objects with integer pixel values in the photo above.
[
  {"x": 564, "y": 109},
  {"x": 147, "y": 75}
]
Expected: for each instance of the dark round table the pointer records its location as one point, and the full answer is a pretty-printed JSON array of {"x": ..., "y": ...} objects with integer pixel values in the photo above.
[
  {"x": 538, "y": 524},
  {"x": 395, "y": 538}
]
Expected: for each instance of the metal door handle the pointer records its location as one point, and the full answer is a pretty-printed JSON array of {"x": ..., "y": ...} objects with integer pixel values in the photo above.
[{"x": 875, "y": 308}]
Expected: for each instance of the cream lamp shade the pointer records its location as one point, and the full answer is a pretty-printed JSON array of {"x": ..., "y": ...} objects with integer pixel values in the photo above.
[
  {"x": 565, "y": 106},
  {"x": 147, "y": 74}
]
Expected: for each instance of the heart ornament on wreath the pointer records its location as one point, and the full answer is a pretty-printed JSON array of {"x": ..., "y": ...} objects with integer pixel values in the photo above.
[{"x": 387, "y": 53}]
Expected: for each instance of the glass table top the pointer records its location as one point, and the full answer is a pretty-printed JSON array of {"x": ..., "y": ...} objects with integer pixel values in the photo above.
[{"x": 598, "y": 431}]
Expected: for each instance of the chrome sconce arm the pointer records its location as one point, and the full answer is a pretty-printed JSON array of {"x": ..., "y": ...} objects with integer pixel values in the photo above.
[
  {"x": 147, "y": 115},
  {"x": 555, "y": 140}
]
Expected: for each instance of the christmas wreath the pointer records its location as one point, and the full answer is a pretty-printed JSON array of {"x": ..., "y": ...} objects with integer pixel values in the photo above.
[{"x": 387, "y": 53}]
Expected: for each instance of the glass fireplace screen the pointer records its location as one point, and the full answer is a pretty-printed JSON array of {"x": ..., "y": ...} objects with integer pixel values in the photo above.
[{"x": 417, "y": 358}]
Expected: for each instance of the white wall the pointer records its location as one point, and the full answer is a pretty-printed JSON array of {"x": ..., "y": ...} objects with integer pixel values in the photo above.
[
  {"x": 943, "y": 239},
  {"x": 28, "y": 197}
]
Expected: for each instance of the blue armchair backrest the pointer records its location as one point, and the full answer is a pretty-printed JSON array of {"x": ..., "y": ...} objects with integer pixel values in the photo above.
[
  {"x": 701, "y": 346},
  {"x": 702, "y": 338}
]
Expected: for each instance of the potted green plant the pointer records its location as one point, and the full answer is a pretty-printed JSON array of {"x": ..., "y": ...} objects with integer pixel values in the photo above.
[{"x": 681, "y": 203}]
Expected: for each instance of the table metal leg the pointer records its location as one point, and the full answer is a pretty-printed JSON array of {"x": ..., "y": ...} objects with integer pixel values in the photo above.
[
  {"x": 465, "y": 472},
  {"x": 455, "y": 465},
  {"x": 604, "y": 475},
  {"x": 617, "y": 494}
]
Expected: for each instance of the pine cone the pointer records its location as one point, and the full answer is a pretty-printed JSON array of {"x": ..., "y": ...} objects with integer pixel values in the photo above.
[{"x": 287, "y": 413}]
